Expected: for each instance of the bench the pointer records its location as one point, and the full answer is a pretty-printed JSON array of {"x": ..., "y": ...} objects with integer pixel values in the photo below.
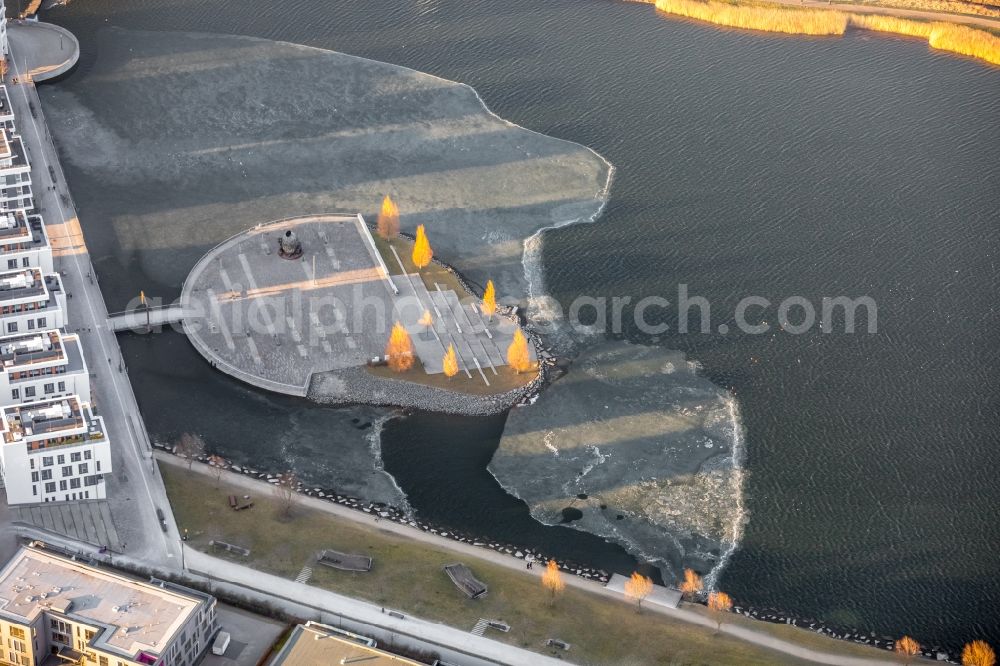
[
  {"x": 232, "y": 502},
  {"x": 462, "y": 577},
  {"x": 345, "y": 561}
]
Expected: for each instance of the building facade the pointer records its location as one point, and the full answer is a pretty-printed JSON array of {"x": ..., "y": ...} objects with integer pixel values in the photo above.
[
  {"x": 41, "y": 365},
  {"x": 15, "y": 173},
  {"x": 24, "y": 242},
  {"x": 31, "y": 300},
  {"x": 53, "y": 450},
  {"x": 57, "y": 611}
]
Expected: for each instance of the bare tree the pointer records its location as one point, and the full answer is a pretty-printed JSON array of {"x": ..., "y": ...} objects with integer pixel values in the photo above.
[
  {"x": 218, "y": 464},
  {"x": 287, "y": 492},
  {"x": 190, "y": 446}
]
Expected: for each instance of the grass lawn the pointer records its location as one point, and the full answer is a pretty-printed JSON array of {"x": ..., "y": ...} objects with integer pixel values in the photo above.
[{"x": 407, "y": 575}]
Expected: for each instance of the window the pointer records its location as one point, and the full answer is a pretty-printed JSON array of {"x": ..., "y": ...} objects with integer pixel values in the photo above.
[
  {"x": 87, "y": 454},
  {"x": 31, "y": 324},
  {"x": 91, "y": 480},
  {"x": 34, "y": 477},
  {"x": 12, "y": 263},
  {"x": 12, "y": 327},
  {"x": 29, "y": 391},
  {"x": 60, "y": 638},
  {"x": 84, "y": 468},
  {"x": 47, "y": 461},
  {"x": 41, "y": 322},
  {"x": 50, "y": 487},
  {"x": 98, "y": 465},
  {"x": 62, "y": 486},
  {"x": 25, "y": 262},
  {"x": 67, "y": 470},
  {"x": 74, "y": 483},
  {"x": 102, "y": 661},
  {"x": 61, "y": 458},
  {"x": 32, "y": 461},
  {"x": 34, "y": 490},
  {"x": 46, "y": 474},
  {"x": 62, "y": 386},
  {"x": 17, "y": 632},
  {"x": 15, "y": 394},
  {"x": 49, "y": 388},
  {"x": 75, "y": 457}
]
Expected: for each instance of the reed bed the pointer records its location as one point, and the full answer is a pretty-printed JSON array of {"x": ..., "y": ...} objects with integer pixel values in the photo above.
[
  {"x": 769, "y": 19},
  {"x": 943, "y": 36}
]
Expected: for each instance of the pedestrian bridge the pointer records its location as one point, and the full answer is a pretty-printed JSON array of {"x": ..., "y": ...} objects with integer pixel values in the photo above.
[{"x": 143, "y": 319}]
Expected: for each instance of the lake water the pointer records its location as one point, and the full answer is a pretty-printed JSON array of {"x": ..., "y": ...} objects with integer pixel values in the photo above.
[{"x": 747, "y": 164}]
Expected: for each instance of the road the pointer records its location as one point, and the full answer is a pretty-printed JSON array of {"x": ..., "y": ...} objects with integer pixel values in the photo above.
[
  {"x": 134, "y": 487},
  {"x": 230, "y": 571}
]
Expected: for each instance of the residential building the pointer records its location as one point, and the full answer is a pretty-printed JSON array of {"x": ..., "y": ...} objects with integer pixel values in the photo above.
[
  {"x": 6, "y": 111},
  {"x": 41, "y": 365},
  {"x": 31, "y": 300},
  {"x": 3, "y": 29},
  {"x": 15, "y": 173},
  {"x": 24, "y": 242},
  {"x": 313, "y": 643},
  {"x": 58, "y": 612},
  {"x": 53, "y": 450}
]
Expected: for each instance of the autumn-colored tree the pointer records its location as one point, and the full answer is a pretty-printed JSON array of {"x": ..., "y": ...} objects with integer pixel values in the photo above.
[
  {"x": 190, "y": 446},
  {"x": 517, "y": 353},
  {"x": 218, "y": 464},
  {"x": 399, "y": 350},
  {"x": 450, "y": 362},
  {"x": 978, "y": 653},
  {"x": 426, "y": 319},
  {"x": 692, "y": 584},
  {"x": 388, "y": 219},
  {"x": 906, "y": 647},
  {"x": 637, "y": 588},
  {"x": 286, "y": 490},
  {"x": 719, "y": 603},
  {"x": 489, "y": 299},
  {"x": 422, "y": 252},
  {"x": 552, "y": 580}
]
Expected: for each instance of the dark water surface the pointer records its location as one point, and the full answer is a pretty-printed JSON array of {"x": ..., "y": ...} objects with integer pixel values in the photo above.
[{"x": 747, "y": 164}]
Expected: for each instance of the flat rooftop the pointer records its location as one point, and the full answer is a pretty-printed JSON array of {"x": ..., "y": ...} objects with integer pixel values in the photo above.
[
  {"x": 313, "y": 644},
  {"x": 56, "y": 417},
  {"x": 15, "y": 228},
  {"x": 28, "y": 349},
  {"x": 130, "y": 616},
  {"x": 6, "y": 112},
  {"x": 27, "y": 283}
]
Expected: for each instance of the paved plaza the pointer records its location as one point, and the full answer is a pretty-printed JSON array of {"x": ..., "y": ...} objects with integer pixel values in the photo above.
[
  {"x": 86, "y": 521},
  {"x": 274, "y": 321}
]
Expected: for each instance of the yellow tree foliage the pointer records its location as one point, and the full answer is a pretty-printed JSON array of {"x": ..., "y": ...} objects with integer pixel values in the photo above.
[
  {"x": 489, "y": 299},
  {"x": 752, "y": 17},
  {"x": 978, "y": 653},
  {"x": 426, "y": 319},
  {"x": 552, "y": 580},
  {"x": 399, "y": 349},
  {"x": 517, "y": 353},
  {"x": 719, "y": 603},
  {"x": 450, "y": 362},
  {"x": 637, "y": 588},
  {"x": 422, "y": 253},
  {"x": 906, "y": 647},
  {"x": 388, "y": 219},
  {"x": 692, "y": 584}
]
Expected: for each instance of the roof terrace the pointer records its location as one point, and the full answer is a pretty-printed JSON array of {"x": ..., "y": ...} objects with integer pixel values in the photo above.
[
  {"x": 29, "y": 349},
  {"x": 14, "y": 228},
  {"x": 130, "y": 617},
  {"x": 27, "y": 285},
  {"x": 49, "y": 423}
]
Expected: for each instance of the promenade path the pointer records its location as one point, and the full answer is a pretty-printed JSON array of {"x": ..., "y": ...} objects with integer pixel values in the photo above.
[
  {"x": 44, "y": 50},
  {"x": 134, "y": 488},
  {"x": 221, "y": 568}
]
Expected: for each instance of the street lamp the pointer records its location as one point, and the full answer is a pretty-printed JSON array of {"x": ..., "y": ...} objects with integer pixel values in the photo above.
[{"x": 183, "y": 539}]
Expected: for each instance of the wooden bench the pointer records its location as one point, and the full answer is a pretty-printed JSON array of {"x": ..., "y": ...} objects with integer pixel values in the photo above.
[
  {"x": 232, "y": 502},
  {"x": 344, "y": 561},
  {"x": 462, "y": 577}
]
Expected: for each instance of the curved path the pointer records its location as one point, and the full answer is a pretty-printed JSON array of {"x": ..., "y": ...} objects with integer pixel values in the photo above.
[
  {"x": 741, "y": 632},
  {"x": 43, "y": 50}
]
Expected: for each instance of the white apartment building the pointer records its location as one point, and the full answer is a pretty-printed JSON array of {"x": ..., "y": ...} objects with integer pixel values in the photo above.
[
  {"x": 15, "y": 173},
  {"x": 24, "y": 242},
  {"x": 6, "y": 112},
  {"x": 31, "y": 300},
  {"x": 53, "y": 450},
  {"x": 60, "y": 612},
  {"x": 3, "y": 29},
  {"x": 40, "y": 365}
]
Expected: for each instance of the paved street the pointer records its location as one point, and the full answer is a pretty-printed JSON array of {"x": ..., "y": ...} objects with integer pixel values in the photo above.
[
  {"x": 135, "y": 490},
  {"x": 252, "y": 637}
]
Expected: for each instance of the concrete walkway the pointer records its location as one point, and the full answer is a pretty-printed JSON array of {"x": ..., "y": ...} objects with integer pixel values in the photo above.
[
  {"x": 43, "y": 50},
  {"x": 134, "y": 488},
  {"x": 253, "y": 486}
]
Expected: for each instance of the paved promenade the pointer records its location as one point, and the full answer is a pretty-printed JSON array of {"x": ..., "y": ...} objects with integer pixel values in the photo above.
[{"x": 135, "y": 490}]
